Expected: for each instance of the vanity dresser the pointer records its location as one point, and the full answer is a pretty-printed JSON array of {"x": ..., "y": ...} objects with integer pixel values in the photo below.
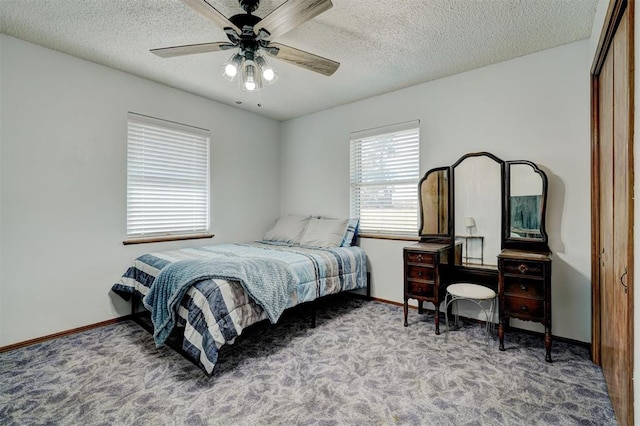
[{"x": 482, "y": 221}]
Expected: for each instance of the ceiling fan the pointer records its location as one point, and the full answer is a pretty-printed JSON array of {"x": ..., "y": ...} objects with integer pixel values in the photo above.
[{"x": 252, "y": 35}]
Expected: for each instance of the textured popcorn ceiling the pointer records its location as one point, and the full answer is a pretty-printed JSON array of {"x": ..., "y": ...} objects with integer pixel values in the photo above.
[{"x": 381, "y": 45}]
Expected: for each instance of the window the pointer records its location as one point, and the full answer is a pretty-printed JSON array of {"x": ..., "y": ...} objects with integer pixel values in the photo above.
[
  {"x": 384, "y": 179},
  {"x": 167, "y": 178}
]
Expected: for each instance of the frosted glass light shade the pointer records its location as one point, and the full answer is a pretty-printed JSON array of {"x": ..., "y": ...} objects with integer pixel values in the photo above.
[{"x": 232, "y": 66}]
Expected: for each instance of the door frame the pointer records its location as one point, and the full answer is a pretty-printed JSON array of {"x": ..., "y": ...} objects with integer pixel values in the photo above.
[{"x": 613, "y": 17}]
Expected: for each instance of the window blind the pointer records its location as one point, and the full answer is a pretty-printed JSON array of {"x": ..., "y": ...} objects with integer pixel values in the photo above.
[
  {"x": 167, "y": 178},
  {"x": 385, "y": 165}
]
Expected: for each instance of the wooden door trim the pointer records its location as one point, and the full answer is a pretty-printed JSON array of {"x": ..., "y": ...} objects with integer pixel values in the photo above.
[
  {"x": 615, "y": 11},
  {"x": 595, "y": 222}
]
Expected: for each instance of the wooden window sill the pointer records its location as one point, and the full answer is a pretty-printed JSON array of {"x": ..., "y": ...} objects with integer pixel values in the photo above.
[
  {"x": 388, "y": 237},
  {"x": 166, "y": 238}
]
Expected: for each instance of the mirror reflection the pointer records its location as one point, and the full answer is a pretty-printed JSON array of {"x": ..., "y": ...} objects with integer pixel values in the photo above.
[
  {"x": 434, "y": 196},
  {"x": 478, "y": 209},
  {"x": 525, "y": 202}
]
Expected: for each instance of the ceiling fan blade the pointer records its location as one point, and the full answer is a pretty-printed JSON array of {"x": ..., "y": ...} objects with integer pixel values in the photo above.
[
  {"x": 291, "y": 14},
  {"x": 211, "y": 13},
  {"x": 303, "y": 59},
  {"x": 191, "y": 49}
]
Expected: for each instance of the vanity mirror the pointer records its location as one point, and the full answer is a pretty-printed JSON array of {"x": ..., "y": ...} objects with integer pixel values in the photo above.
[
  {"x": 435, "y": 204},
  {"x": 478, "y": 190},
  {"x": 486, "y": 204},
  {"x": 524, "y": 219}
]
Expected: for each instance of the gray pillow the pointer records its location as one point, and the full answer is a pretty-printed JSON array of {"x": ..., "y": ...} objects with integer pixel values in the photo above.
[
  {"x": 287, "y": 229},
  {"x": 324, "y": 233}
]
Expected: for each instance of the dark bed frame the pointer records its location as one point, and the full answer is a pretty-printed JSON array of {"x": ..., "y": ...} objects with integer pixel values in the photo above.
[{"x": 143, "y": 317}]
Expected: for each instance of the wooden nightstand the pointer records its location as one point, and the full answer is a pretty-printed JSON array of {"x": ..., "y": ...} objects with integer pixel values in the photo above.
[
  {"x": 422, "y": 276},
  {"x": 524, "y": 291}
]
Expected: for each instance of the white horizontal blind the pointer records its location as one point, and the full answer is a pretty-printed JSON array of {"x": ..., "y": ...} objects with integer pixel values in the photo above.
[
  {"x": 167, "y": 178},
  {"x": 384, "y": 179}
]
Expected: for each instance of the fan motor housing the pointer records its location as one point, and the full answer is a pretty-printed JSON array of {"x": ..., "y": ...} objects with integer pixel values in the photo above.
[{"x": 243, "y": 19}]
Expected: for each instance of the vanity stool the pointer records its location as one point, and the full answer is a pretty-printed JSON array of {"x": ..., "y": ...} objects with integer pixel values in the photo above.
[{"x": 476, "y": 294}]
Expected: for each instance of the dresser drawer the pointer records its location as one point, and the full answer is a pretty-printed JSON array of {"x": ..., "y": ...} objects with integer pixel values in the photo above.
[
  {"x": 417, "y": 257},
  {"x": 516, "y": 286},
  {"x": 420, "y": 288},
  {"x": 519, "y": 267},
  {"x": 524, "y": 307},
  {"x": 420, "y": 273},
  {"x": 524, "y": 291}
]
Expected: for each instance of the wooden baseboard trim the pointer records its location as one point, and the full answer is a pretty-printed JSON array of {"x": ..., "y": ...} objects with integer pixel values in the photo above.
[
  {"x": 521, "y": 330},
  {"x": 63, "y": 333},
  {"x": 390, "y": 302},
  {"x": 129, "y": 317}
]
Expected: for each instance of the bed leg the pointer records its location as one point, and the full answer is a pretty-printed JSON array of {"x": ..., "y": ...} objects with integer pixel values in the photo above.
[
  {"x": 134, "y": 304},
  {"x": 369, "y": 285}
]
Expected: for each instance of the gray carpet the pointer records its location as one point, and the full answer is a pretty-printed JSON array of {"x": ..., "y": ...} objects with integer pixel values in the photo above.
[{"x": 359, "y": 366}]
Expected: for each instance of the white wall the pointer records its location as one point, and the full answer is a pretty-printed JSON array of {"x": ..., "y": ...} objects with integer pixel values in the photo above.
[
  {"x": 535, "y": 107},
  {"x": 63, "y": 183}
]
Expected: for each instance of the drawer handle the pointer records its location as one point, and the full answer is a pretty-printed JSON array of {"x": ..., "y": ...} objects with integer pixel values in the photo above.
[
  {"x": 419, "y": 273},
  {"x": 524, "y": 308},
  {"x": 420, "y": 258},
  {"x": 523, "y": 268},
  {"x": 523, "y": 287}
]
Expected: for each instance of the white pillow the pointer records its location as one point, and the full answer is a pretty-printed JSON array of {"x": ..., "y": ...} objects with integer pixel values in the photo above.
[
  {"x": 287, "y": 229},
  {"x": 324, "y": 233}
]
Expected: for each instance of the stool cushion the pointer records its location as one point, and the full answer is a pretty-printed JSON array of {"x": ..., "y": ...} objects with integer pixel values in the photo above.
[{"x": 471, "y": 291}]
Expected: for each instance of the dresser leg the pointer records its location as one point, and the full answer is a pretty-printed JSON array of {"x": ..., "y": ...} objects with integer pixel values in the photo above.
[
  {"x": 420, "y": 309},
  {"x": 501, "y": 335},
  {"x": 406, "y": 312},
  {"x": 547, "y": 344},
  {"x": 436, "y": 315}
]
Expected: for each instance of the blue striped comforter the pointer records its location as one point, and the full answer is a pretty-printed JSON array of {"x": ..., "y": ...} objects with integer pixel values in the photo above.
[{"x": 215, "y": 311}]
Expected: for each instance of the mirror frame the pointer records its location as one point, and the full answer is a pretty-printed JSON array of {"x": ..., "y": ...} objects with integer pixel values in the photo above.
[
  {"x": 436, "y": 238},
  {"x": 506, "y": 241},
  {"x": 530, "y": 244}
]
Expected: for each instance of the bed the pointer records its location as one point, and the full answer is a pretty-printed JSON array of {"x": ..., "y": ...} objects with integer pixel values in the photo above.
[{"x": 208, "y": 295}]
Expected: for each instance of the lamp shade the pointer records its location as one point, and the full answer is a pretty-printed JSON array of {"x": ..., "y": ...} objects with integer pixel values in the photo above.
[
  {"x": 250, "y": 78},
  {"x": 231, "y": 68},
  {"x": 469, "y": 222},
  {"x": 268, "y": 74}
]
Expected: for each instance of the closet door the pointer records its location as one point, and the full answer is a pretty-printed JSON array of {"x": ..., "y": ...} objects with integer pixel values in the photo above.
[
  {"x": 612, "y": 214},
  {"x": 606, "y": 200}
]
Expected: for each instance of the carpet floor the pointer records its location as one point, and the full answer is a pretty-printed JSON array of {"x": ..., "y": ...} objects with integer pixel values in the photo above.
[{"x": 359, "y": 366}]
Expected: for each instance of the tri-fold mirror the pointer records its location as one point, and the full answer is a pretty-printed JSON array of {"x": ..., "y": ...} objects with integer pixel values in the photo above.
[{"x": 484, "y": 205}]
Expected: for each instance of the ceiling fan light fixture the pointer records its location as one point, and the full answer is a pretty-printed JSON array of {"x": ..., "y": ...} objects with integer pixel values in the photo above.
[
  {"x": 231, "y": 67},
  {"x": 252, "y": 35},
  {"x": 269, "y": 76},
  {"x": 251, "y": 80}
]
